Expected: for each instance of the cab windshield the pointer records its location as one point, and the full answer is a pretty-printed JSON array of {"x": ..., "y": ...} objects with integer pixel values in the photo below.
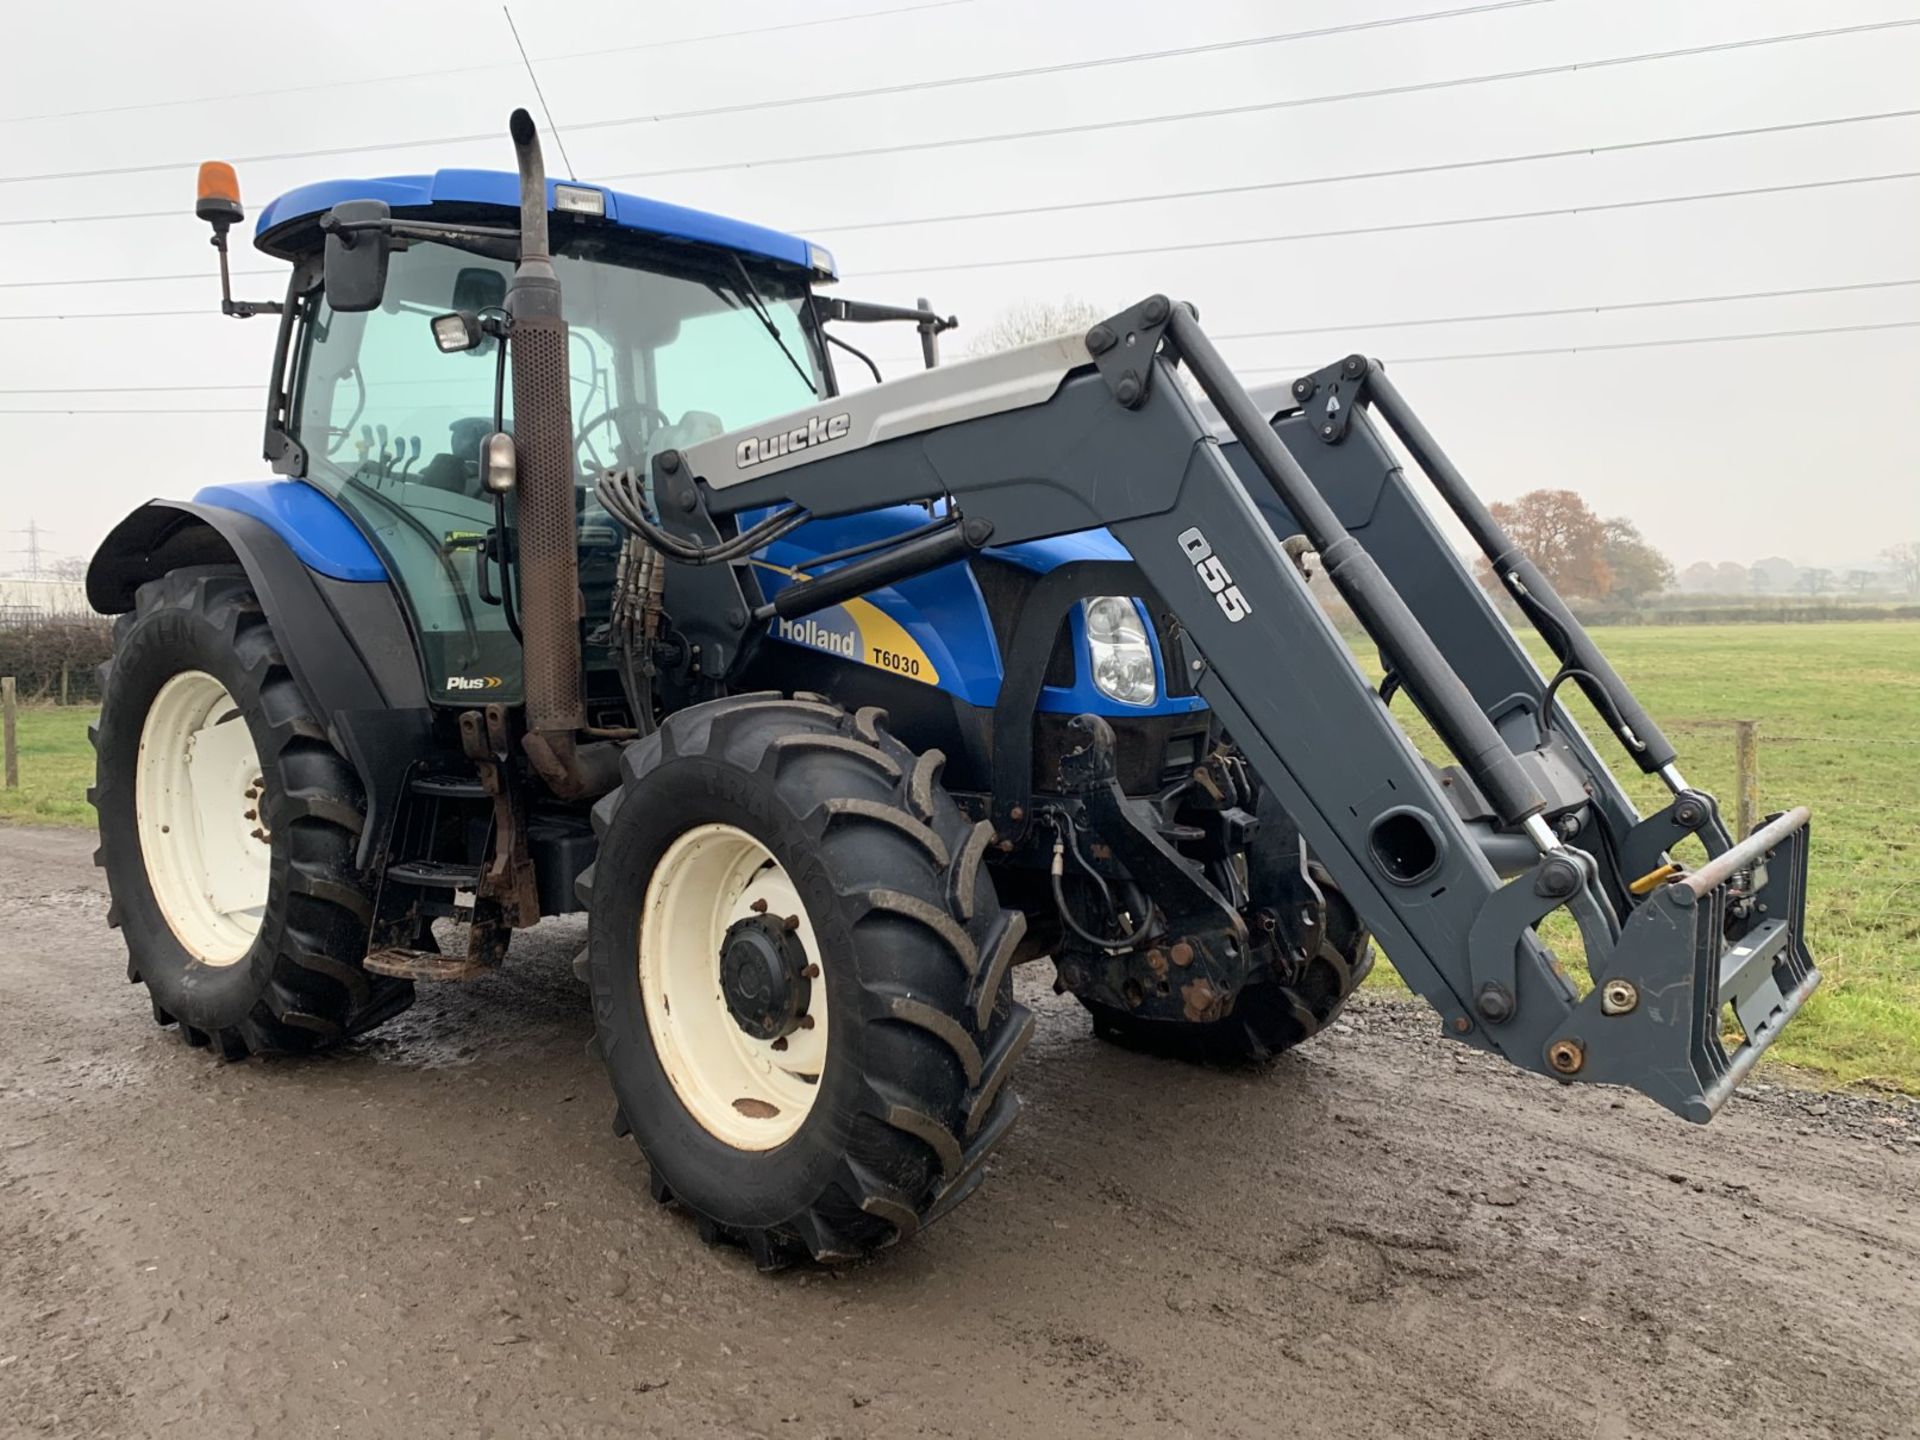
[{"x": 670, "y": 345}]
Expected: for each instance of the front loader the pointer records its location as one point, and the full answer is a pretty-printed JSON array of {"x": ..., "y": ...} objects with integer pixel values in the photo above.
[{"x": 830, "y": 709}]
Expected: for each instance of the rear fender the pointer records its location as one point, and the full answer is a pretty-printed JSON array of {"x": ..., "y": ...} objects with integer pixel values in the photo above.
[{"x": 346, "y": 643}]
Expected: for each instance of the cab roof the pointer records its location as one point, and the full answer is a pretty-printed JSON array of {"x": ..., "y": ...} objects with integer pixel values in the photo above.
[{"x": 277, "y": 231}]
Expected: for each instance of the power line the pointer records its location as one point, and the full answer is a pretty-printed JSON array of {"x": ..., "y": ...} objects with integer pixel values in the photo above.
[
  {"x": 1611, "y": 345},
  {"x": 1573, "y": 310},
  {"x": 114, "y": 315},
  {"x": 207, "y": 275},
  {"x": 1231, "y": 335},
  {"x": 126, "y": 389},
  {"x": 1385, "y": 92},
  {"x": 1669, "y": 302},
  {"x": 786, "y": 102},
  {"x": 1254, "y": 370},
  {"x": 1396, "y": 172},
  {"x": 1030, "y": 72},
  {"x": 334, "y": 85},
  {"x": 1397, "y": 228},
  {"x": 1262, "y": 370},
  {"x": 174, "y": 213},
  {"x": 1439, "y": 167},
  {"x": 1346, "y": 232}
]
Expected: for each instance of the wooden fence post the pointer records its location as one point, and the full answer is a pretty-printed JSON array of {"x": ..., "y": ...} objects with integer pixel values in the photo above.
[
  {"x": 1746, "y": 762},
  {"x": 63, "y": 682},
  {"x": 6, "y": 725}
]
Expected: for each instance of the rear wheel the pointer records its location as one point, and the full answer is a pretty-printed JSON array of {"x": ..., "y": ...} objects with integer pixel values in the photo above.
[
  {"x": 228, "y": 825},
  {"x": 801, "y": 977}
]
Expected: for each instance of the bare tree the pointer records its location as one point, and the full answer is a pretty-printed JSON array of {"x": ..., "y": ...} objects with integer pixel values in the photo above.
[
  {"x": 1032, "y": 320},
  {"x": 1905, "y": 560},
  {"x": 1816, "y": 581}
]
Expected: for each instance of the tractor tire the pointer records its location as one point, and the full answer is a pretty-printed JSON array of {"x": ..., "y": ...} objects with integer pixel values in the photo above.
[
  {"x": 1267, "y": 1018},
  {"x": 228, "y": 824},
  {"x": 851, "y": 1093}
]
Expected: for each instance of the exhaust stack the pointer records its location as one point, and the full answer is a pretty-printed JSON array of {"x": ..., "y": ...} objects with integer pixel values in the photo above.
[{"x": 549, "y": 559}]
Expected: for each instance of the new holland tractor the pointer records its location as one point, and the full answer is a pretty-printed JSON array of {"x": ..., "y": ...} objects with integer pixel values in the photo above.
[{"x": 583, "y": 586}]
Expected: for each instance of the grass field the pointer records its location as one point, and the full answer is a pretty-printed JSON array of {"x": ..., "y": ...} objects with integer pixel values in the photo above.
[
  {"x": 1839, "y": 714},
  {"x": 56, "y": 766},
  {"x": 1839, "y": 711}
]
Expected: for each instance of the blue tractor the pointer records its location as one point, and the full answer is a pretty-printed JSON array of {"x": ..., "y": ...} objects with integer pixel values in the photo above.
[{"x": 581, "y": 585}]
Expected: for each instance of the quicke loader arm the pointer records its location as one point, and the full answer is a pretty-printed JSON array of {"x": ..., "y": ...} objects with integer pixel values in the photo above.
[{"x": 1451, "y": 869}]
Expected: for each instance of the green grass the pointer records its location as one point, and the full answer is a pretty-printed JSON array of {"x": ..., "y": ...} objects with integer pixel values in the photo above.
[
  {"x": 1839, "y": 713},
  {"x": 56, "y": 766}
]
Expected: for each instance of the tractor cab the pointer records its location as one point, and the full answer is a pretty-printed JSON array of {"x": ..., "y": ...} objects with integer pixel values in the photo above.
[{"x": 681, "y": 325}]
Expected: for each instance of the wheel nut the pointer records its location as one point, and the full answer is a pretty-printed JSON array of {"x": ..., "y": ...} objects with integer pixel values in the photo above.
[
  {"x": 1618, "y": 997},
  {"x": 1567, "y": 1056}
]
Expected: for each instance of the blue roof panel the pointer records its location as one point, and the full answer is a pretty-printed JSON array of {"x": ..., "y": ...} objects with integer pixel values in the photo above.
[{"x": 501, "y": 187}]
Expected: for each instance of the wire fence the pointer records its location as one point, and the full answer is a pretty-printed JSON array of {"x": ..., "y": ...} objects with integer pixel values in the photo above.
[{"x": 55, "y": 659}]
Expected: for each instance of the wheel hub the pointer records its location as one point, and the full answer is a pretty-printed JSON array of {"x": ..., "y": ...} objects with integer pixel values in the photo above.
[{"x": 765, "y": 976}]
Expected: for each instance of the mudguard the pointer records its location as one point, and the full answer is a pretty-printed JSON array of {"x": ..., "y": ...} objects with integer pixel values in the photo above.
[{"x": 346, "y": 642}]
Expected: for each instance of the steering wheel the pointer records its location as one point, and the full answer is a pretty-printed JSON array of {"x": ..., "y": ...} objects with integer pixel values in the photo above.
[{"x": 620, "y": 417}]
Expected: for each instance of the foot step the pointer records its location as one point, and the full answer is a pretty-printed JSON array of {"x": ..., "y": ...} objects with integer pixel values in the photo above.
[
  {"x": 426, "y": 965},
  {"x": 435, "y": 874},
  {"x": 449, "y": 787}
]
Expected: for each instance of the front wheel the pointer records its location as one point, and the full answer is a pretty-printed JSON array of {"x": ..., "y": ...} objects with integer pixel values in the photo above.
[{"x": 801, "y": 977}]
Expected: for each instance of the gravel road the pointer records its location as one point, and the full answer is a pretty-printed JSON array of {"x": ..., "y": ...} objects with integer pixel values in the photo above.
[{"x": 434, "y": 1232}]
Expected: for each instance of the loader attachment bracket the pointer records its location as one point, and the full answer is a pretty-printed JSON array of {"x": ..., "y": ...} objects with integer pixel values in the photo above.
[
  {"x": 1123, "y": 348},
  {"x": 1331, "y": 397},
  {"x": 1685, "y": 967},
  {"x": 1691, "y": 812}
]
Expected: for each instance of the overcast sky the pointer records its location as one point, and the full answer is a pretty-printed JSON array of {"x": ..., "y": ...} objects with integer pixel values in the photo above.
[{"x": 1803, "y": 446}]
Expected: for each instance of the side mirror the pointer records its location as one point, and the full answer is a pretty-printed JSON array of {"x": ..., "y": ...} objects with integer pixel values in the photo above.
[{"x": 355, "y": 271}]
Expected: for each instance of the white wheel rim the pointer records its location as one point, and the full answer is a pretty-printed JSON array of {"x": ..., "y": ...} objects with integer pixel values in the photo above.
[
  {"x": 197, "y": 790},
  {"x": 751, "y": 1094}
]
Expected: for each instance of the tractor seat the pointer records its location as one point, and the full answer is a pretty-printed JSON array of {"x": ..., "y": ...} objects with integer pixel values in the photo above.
[{"x": 457, "y": 468}]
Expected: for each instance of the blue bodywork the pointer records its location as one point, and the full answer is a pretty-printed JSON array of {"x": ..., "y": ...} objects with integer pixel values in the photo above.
[
  {"x": 945, "y": 614},
  {"x": 941, "y": 618},
  {"x": 316, "y": 529},
  {"x": 502, "y": 188}
]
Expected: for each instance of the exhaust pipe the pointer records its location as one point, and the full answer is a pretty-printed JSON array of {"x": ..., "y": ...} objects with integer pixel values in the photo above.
[{"x": 549, "y": 558}]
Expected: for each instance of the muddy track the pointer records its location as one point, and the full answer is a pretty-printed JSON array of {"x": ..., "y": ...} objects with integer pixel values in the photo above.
[{"x": 435, "y": 1233}]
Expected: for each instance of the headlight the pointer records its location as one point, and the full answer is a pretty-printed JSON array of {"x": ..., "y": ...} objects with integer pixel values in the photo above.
[{"x": 1122, "y": 658}]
